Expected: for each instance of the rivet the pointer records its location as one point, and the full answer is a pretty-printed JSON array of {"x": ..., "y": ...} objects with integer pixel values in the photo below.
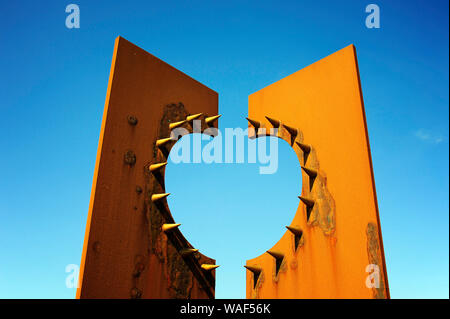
[
  {"x": 132, "y": 120},
  {"x": 135, "y": 293},
  {"x": 130, "y": 158}
]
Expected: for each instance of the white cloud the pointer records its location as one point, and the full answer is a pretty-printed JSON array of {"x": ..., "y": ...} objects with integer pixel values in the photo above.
[{"x": 428, "y": 137}]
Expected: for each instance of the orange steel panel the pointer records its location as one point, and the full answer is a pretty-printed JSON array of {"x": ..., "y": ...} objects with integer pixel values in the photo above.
[
  {"x": 125, "y": 252},
  {"x": 342, "y": 236}
]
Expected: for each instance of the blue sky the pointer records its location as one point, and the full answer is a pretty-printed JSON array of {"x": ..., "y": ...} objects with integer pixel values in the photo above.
[{"x": 52, "y": 90}]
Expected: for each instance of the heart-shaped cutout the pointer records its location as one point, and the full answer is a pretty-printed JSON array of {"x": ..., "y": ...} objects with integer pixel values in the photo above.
[{"x": 231, "y": 212}]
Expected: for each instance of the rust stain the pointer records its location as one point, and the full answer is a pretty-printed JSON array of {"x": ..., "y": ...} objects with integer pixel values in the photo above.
[
  {"x": 324, "y": 211},
  {"x": 374, "y": 254},
  {"x": 179, "y": 275}
]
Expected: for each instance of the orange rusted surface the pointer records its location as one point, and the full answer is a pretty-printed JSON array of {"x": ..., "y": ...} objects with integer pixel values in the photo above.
[
  {"x": 126, "y": 254},
  {"x": 326, "y": 255}
]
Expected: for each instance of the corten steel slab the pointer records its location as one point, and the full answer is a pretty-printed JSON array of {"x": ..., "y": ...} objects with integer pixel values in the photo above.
[
  {"x": 126, "y": 254},
  {"x": 325, "y": 255}
]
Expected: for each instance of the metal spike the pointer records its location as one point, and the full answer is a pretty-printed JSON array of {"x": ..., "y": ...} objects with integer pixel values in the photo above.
[
  {"x": 278, "y": 259},
  {"x": 291, "y": 130},
  {"x": 308, "y": 202},
  {"x": 209, "y": 267},
  {"x": 311, "y": 172},
  {"x": 176, "y": 124},
  {"x": 256, "y": 124},
  {"x": 275, "y": 254},
  {"x": 256, "y": 273},
  {"x": 275, "y": 123},
  {"x": 309, "y": 205},
  {"x": 168, "y": 227},
  {"x": 188, "y": 251},
  {"x": 295, "y": 231},
  {"x": 156, "y": 167},
  {"x": 156, "y": 197},
  {"x": 211, "y": 119},
  {"x": 304, "y": 147},
  {"x": 253, "y": 269},
  {"x": 193, "y": 117},
  {"x": 163, "y": 141},
  {"x": 298, "y": 234}
]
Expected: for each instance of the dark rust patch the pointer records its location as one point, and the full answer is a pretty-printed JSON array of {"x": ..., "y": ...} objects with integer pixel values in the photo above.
[
  {"x": 325, "y": 206},
  {"x": 179, "y": 272},
  {"x": 179, "y": 275}
]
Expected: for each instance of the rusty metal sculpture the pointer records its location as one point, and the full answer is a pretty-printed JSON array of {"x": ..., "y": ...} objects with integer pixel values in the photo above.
[
  {"x": 133, "y": 247},
  {"x": 335, "y": 234}
]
